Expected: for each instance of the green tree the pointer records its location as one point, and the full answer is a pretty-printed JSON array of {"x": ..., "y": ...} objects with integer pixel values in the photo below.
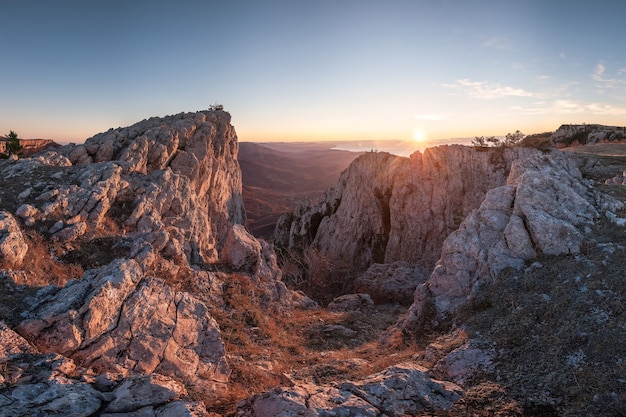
[
  {"x": 485, "y": 141},
  {"x": 13, "y": 144},
  {"x": 479, "y": 142},
  {"x": 512, "y": 139}
]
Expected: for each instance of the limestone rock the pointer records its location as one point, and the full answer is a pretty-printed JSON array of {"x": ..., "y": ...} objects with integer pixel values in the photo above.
[
  {"x": 542, "y": 209},
  {"x": 176, "y": 175},
  {"x": 466, "y": 362},
  {"x": 351, "y": 302},
  {"x": 134, "y": 394},
  {"x": 391, "y": 283},
  {"x": 388, "y": 208},
  {"x": 13, "y": 246},
  {"x": 241, "y": 250},
  {"x": 399, "y": 390},
  {"x": 114, "y": 319}
]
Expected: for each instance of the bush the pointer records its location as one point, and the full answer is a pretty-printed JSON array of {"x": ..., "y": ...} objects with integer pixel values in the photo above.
[{"x": 13, "y": 146}]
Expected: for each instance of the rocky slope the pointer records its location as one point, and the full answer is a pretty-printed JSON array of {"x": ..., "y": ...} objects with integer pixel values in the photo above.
[
  {"x": 525, "y": 206},
  {"x": 153, "y": 215},
  {"x": 576, "y": 135},
  {"x": 543, "y": 209}
]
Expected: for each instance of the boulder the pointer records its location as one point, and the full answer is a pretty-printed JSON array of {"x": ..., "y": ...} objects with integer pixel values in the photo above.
[
  {"x": 13, "y": 246},
  {"x": 241, "y": 250},
  {"x": 391, "y": 283},
  {"x": 115, "y": 319},
  {"x": 404, "y": 389},
  {"x": 351, "y": 302}
]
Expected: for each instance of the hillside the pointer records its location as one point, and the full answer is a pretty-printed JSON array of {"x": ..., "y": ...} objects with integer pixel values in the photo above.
[{"x": 276, "y": 176}]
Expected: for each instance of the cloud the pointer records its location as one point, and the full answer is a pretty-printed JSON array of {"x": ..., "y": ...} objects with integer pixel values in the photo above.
[
  {"x": 543, "y": 77},
  {"x": 431, "y": 116},
  {"x": 488, "y": 91},
  {"x": 572, "y": 107},
  {"x": 606, "y": 82}
]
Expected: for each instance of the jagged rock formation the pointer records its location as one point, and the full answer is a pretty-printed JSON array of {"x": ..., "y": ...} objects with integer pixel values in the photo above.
[
  {"x": 404, "y": 389},
  {"x": 542, "y": 209},
  {"x": 571, "y": 135},
  {"x": 148, "y": 211},
  {"x": 116, "y": 320},
  {"x": 50, "y": 384},
  {"x": 173, "y": 183},
  {"x": 388, "y": 208}
]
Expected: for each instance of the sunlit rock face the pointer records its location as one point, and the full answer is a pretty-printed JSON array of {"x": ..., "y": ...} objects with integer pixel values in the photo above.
[
  {"x": 116, "y": 319},
  {"x": 388, "y": 208},
  {"x": 147, "y": 215},
  {"x": 542, "y": 209},
  {"x": 178, "y": 177}
]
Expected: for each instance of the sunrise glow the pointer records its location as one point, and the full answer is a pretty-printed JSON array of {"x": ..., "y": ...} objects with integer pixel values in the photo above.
[
  {"x": 419, "y": 135},
  {"x": 306, "y": 71}
]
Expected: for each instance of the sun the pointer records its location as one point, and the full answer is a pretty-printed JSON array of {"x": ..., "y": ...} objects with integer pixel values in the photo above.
[{"x": 419, "y": 135}]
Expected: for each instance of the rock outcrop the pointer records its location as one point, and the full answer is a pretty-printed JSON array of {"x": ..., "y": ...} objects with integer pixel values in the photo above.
[
  {"x": 404, "y": 389},
  {"x": 116, "y": 320},
  {"x": 153, "y": 214},
  {"x": 173, "y": 182},
  {"x": 573, "y": 135},
  {"x": 543, "y": 209},
  {"x": 388, "y": 208},
  {"x": 33, "y": 383}
]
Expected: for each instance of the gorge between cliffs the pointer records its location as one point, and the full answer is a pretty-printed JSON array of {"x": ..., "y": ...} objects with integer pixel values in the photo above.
[{"x": 461, "y": 281}]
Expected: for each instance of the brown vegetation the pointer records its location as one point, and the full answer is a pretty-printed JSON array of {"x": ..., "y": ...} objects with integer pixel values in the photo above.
[
  {"x": 267, "y": 350},
  {"x": 276, "y": 176}
]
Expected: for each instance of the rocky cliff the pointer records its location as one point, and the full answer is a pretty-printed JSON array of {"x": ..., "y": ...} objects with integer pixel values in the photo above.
[
  {"x": 388, "y": 208},
  {"x": 575, "y": 135},
  {"x": 139, "y": 231},
  {"x": 543, "y": 209},
  {"x": 475, "y": 211}
]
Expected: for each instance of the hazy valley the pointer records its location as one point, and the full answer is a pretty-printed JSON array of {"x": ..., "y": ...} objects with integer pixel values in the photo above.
[{"x": 459, "y": 281}]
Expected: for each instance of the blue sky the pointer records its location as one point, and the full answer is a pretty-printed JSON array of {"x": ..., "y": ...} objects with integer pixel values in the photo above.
[{"x": 313, "y": 70}]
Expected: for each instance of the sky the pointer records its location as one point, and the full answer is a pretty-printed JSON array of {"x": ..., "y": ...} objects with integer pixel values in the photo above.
[{"x": 303, "y": 70}]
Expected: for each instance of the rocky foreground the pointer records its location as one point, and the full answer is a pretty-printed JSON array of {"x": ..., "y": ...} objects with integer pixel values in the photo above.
[{"x": 130, "y": 286}]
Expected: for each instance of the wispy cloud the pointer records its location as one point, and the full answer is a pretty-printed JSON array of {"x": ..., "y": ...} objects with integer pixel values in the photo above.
[
  {"x": 432, "y": 116},
  {"x": 603, "y": 81},
  {"x": 571, "y": 107},
  {"x": 488, "y": 91}
]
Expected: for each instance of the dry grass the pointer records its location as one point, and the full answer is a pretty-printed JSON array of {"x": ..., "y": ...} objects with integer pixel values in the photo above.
[
  {"x": 561, "y": 328},
  {"x": 267, "y": 349},
  {"x": 39, "y": 269}
]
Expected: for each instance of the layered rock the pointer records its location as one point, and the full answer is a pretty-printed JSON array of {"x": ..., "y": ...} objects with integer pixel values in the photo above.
[
  {"x": 404, "y": 389},
  {"x": 388, "y": 208},
  {"x": 175, "y": 176},
  {"x": 117, "y": 320},
  {"x": 572, "y": 135},
  {"x": 542, "y": 209},
  {"x": 33, "y": 383}
]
